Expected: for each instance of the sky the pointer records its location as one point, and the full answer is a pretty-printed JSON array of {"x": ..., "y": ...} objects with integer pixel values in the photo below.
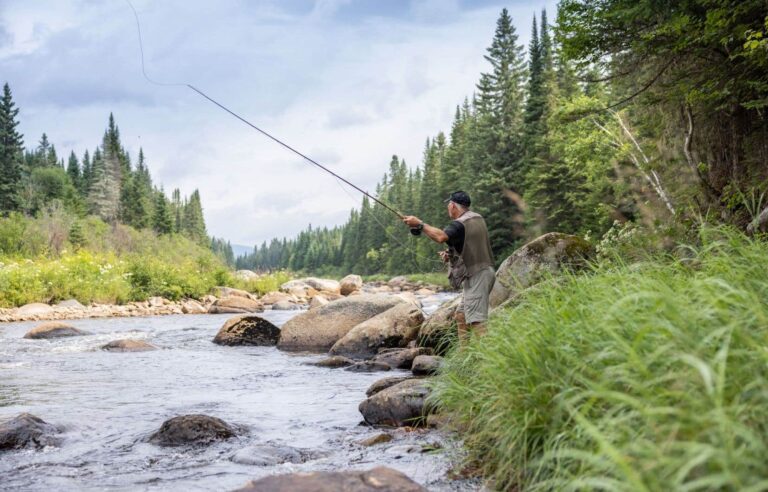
[{"x": 347, "y": 82}]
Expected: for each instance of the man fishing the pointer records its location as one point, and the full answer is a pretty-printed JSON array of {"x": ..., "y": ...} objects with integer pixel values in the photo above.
[{"x": 470, "y": 258}]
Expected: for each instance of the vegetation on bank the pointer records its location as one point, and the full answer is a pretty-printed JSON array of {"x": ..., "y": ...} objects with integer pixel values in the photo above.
[{"x": 644, "y": 376}]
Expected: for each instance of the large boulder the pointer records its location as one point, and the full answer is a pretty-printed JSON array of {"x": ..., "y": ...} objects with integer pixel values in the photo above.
[
  {"x": 400, "y": 358},
  {"x": 53, "y": 329},
  {"x": 247, "y": 330},
  {"x": 350, "y": 283},
  {"x": 322, "y": 284},
  {"x": 333, "y": 362},
  {"x": 234, "y": 305},
  {"x": 426, "y": 365},
  {"x": 34, "y": 309},
  {"x": 191, "y": 429},
  {"x": 191, "y": 306},
  {"x": 319, "y": 329},
  {"x": 231, "y": 291},
  {"x": 399, "y": 405},
  {"x": 394, "y": 327},
  {"x": 440, "y": 328},
  {"x": 297, "y": 288},
  {"x": 545, "y": 255},
  {"x": 128, "y": 345},
  {"x": 379, "y": 479},
  {"x": 26, "y": 430},
  {"x": 285, "y": 306},
  {"x": 385, "y": 383}
]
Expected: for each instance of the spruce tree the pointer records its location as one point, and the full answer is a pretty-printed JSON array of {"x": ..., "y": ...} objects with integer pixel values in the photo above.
[
  {"x": 162, "y": 221},
  {"x": 73, "y": 170},
  {"x": 11, "y": 152},
  {"x": 194, "y": 223},
  {"x": 104, "y": 193},
  {"x": 86, "y": 175}
]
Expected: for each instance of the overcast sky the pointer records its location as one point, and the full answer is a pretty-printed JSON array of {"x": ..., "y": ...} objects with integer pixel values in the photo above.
[{"x": 349, "y": 82}]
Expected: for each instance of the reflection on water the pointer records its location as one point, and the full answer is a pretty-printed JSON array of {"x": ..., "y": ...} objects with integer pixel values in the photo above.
[{"x": 108, "y": 403}]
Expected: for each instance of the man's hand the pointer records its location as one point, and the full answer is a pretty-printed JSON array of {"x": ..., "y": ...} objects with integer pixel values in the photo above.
[
  {"x": 411, "y": 221},
  {"x": 444, "y": 255}
]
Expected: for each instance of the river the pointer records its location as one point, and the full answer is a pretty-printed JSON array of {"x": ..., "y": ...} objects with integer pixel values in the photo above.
[{"x": 108, "y": 403}]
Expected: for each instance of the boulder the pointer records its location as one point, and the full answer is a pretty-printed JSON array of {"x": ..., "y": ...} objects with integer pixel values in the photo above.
[
  {"x": 235, "y": 304},
  {"x": 440, "y": 327},
  {"x": 547, "y": 254},
  {"x": 191, "y": 306},
  {"x": 385, "y": 383},
  {"x": 350, "y": 283},
  {"x": 333, "y": 362},
  {"x": 426, "y": 365},
  {"x": 191, "y": 429},
  {"x": 53, "y": 329},
  {"x": 398, "y": 281},
  {"x": 71, "y": 304},
  {"x": 409, "y": 297},
  {"x": 322, "y": 284},
  {"x": 231, "y": 291},
  {"x": 128, "y": 345},
  {"x": 320, "y": 328},
  {"x": 275, "y": 297},
  {"x": 296, "y": 287},
  {"x": 394, "y": 327},
  {"x": 26, "y": 430},
  {"x": 368, "y": 366},
  {"x": 379, "y": 479},
  {"x": 285, "y": 306},
  {"x": 425, "y": 292},
  {"x": 318, "y": 301},
  {"x": 269, "y": 455},
  {"x": 400, "y": 358},
  {"x": 247, "y": 330},
  {"x": 34, "y": 309},
  {"x": 403, "y": 404}
]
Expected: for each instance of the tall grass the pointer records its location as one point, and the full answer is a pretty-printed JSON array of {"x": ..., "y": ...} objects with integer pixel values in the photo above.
[{"x": 632, "y": 377}]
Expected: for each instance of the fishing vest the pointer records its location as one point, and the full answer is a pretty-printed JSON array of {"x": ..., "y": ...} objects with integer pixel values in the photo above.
[{"x": 476, "y": 254}]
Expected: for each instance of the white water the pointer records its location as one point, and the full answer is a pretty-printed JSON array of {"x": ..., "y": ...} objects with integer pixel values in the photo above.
[{"x": 108, "y": 403}]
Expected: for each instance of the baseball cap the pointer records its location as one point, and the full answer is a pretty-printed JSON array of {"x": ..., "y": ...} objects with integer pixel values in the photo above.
[{"x": 460, "y": 197}]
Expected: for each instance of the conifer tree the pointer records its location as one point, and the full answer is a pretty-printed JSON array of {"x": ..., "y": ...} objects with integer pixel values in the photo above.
[
  {"x": 73, "y": 170},
  {"x": 194, "y": 223},
  {"x": 104, "y": 192},
  {"x": 11, "y": 152},
  {"x": 162, "y": 221}
]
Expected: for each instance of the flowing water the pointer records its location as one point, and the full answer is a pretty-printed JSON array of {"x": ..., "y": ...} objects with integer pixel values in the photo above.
[{"x": 108, "y": 403}]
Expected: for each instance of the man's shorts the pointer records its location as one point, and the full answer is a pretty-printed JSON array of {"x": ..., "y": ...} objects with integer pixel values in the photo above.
[{"x": 477, "y": 293}]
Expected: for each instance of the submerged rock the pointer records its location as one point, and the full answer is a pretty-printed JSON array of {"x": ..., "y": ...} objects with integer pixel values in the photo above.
[
  {"x": 399, "y": 405},
  {"x": 53, "y": 329},
  {"x": 377, "y": 439},
  {"x": 320, "y": 328},
  {"x": 394, "y": 327},
  {"x": 191, "y": 429},
  {"x": 26, "y": 430},
  {"x": 379, "y": 479},
  {"x": 247, "y": 330},
  {"x": 400, "y": 358},
  {"x": 549, "y": 253},
  {"x": 350, "y": 284},
  {"x": 385, "y": 383},
  {"x": 235, "y": 304},
  {"x": 426, "y": 365},
  {"x": 128, "y": 345},
  {"x": 368, "y": 366},
  {"x": 333, "y": 362},
  {"x": 270, "y": 455}
]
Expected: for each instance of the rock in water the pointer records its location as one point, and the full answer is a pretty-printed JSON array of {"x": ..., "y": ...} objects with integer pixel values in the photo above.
[
  {"x": 547, "y": 254},
  {"x": 318, "y": 329},
  {"x": 394, "y": 327},
  {"x": 377, "y": 439},
  {"x": 350, "y": 283},
  {"x": 400, "y": 358},
  {"x": 231, "y": 291},
  {"x": 26, "y": 430},
  {"x": 128, "y": 345},
  {"x": 268, "y": 455},
  {"x": 379, "y": 479},
  {"x": 53, "y": 329},
  {"x": 399, "y": 405},
  {"x": 191, "y": 429},
  {"x": 440, "y": 328},
  {"x": 333, "y": 362},
  {"x": 368, "y": 366},
  {"x": 248, "y": 330},
  {"x": 385, "y": 383},
  {"x": 426, "y": 365},
  {"x": 235, "y": 304},
  {"x": 285, "y": 306}
]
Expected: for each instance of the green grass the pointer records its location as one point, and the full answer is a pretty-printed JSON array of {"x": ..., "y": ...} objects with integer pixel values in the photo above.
[{"x": 642, "y": 377}]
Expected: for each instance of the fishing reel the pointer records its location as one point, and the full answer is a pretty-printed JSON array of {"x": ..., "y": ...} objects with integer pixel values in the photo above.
[{"x": 416, "y": 231}]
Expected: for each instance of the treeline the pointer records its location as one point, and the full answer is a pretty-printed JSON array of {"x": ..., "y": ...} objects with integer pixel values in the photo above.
[
  {"x": 103, "y": 182},
  {"x": 650, "y": 112}
]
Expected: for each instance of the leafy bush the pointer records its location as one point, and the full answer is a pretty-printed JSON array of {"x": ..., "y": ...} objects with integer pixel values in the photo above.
[{"x": 649, "y": 376}]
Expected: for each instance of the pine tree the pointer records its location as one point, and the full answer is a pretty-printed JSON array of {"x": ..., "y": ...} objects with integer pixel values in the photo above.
[
  {"x": 11, "y": 152},
  {"x": 194, "y": 223},
  {"x": 86, "y": 175},
  {"x": 162, "y": 221},
  {"x": 73, "y": 170},
  {"x": 104, "y": 193}
]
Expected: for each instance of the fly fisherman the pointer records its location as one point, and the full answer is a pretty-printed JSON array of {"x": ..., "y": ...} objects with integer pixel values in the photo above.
[{"x": 470, "y": 258}]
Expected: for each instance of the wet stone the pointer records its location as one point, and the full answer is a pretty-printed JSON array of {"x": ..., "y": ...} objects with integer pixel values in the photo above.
[
  {"x": 191, "y": 429},
  {"x": 368, "y": 366},
  {"x": 27, "y": 430}
]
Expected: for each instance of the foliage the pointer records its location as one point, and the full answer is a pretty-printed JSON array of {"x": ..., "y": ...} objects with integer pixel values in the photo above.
[
  {"x": 262, "y": 284},
  {"x": 645, "y": 376}
]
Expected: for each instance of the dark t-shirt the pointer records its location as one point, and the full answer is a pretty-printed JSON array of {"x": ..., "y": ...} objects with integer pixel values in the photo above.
[{"x": 455, "y": 233}]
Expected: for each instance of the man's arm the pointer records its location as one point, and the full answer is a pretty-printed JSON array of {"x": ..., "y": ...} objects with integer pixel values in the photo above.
[{"x": 435, "y": 234}]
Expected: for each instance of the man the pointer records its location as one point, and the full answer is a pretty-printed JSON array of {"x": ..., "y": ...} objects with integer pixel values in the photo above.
[{"x": 470, "y": 257}]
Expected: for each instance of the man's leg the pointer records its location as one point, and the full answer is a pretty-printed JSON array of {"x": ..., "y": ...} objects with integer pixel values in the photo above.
[{"x": 461, "y": 323}]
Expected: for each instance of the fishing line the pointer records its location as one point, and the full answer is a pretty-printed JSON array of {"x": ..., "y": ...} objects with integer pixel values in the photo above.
[{"x": 339, "y": 178}]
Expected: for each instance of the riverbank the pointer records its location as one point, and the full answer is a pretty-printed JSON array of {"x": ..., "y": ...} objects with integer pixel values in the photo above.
[{"x": 643, "y": 376}]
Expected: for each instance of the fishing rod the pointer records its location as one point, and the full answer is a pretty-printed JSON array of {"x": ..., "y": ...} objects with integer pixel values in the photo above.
[{"x": 414, "y": 230}]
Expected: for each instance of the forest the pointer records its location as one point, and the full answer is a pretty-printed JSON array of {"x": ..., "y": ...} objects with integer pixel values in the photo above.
[{"x": 620, "y": 114}]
